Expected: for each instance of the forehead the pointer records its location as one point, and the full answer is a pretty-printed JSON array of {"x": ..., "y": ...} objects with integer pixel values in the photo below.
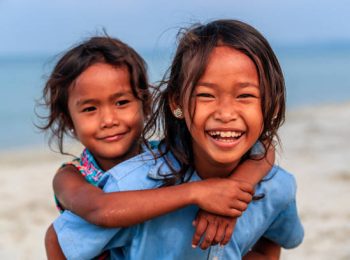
[
  {"x": 228, "y": 65},
  {"x": 224, "y": 56},
  {"x": 98, "y": 71},
  {"x": 101, "y": 78}
]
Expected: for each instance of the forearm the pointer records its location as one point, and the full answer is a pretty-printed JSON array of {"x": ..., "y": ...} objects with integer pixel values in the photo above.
[
  {"x": 120, "y": 209},
  {"x": 53, "y": 249},
  {"x": 123, "y": 209},
  {"x": 253, "y": 171}
]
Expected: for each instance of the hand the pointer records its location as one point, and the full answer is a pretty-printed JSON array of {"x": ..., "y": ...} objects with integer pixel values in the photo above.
[
  {"x": 213, "y": 228},
  {"x": 224, "y": 197}
]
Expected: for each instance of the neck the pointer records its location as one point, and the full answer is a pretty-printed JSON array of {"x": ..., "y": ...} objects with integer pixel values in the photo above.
[
  {"x": 206, "y": 169},
  {"x": 108, "y": 163}
]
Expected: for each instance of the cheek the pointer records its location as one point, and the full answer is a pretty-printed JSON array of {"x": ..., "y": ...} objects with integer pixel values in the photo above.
[
  {"x": 75, "y": 123},
  {"x": 138, "y": 124},
  {"x": 262, "y": 126},
  {"x": 82, "y": 131},
  {"x": 258, "y": 122},
  {"x": 254, "y": 118},
  {"x": 194, "y": 116},
  {"x": 137, "y": 121}
]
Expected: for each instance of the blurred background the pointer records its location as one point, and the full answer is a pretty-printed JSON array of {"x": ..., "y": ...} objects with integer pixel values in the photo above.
[{"x": 311, "y": 40}]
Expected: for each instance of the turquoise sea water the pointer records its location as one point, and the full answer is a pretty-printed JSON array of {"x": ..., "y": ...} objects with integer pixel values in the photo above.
[{"x": 313, "y": 76}]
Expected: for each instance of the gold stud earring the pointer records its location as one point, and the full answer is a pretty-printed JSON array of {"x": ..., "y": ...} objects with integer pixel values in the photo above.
[{"x": 178, "y": 113}]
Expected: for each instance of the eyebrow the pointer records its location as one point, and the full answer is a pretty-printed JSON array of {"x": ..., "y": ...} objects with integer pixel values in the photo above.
[
  {"x": 248, "y": 84},
  {"x": 206, "y": 84},
  {"x": 213, "y": 85},
  {"x": 82, "y": 102}
]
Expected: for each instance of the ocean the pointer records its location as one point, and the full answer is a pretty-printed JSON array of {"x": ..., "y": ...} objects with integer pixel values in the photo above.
[{"x": 314, "y": 75}]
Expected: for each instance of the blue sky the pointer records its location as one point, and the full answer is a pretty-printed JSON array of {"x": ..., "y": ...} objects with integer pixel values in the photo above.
[{"x": 36, "y": 26}]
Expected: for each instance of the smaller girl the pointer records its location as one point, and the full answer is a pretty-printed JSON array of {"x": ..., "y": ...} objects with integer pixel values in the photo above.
[
  {"x": 98, "y": 93},
  {"x": 225, "y": 92}
]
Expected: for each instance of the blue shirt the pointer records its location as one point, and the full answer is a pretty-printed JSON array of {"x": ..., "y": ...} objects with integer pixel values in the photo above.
[{"x": 169, "y": 236}]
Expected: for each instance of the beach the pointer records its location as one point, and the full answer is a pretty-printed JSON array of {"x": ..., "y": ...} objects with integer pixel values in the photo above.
[{"x": 315, "y": 149}]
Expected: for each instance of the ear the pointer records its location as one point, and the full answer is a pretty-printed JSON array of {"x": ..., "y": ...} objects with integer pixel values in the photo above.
[
  {"x": 68, "y": 124},
  {"x": 175, "y": 108},
  {"x": 173, "y": 103}
]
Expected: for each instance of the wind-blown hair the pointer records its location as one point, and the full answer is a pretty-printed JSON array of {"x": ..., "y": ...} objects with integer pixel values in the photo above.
[
  {"x": 75, "y": 61},
  {"x": 190, "y": 61}
]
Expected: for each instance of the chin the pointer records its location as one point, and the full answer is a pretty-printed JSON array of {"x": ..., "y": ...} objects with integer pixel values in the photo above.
[{"x": 228, "y": 161}]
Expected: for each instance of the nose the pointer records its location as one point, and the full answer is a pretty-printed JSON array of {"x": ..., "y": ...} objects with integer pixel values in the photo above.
[
  {"x": 225, "y": 110},
  {"x": 109, "y": 118}
]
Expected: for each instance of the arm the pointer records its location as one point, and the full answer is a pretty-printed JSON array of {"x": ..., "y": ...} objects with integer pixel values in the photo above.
[
  {"x": 79, "y": 239},
  {"x": 122, "y": 209},
  {"x": 53, "y": 249},
  {"x": 264, "y": 249},
  {"x": 219, "y": 229},
  {"x": 252, "y": 171}
]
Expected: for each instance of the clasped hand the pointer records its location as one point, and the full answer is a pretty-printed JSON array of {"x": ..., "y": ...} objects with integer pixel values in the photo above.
[{"x": 221, "y": 201}]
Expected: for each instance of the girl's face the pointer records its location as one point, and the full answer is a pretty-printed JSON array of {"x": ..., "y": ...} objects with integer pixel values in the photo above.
[
  {"x": 227, "y": 117},
  {"x": 108, "y": 119}
]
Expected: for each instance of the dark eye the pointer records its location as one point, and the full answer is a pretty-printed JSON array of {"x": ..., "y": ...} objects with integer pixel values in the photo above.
[
  {"x": 122, "y": 102},
  {"x": 246, "y": 95},
  {"x": 204, "y": 95},
  {"x": 89, "y": 109}
]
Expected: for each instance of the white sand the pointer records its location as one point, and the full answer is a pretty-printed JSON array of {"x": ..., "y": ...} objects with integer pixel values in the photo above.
[{"x": 316, "y": 149}]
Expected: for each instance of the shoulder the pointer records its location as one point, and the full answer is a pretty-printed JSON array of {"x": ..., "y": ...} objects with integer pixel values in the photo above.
[
  {"x": 280, "y": 186},
  {"x": 140, "y": 172}
]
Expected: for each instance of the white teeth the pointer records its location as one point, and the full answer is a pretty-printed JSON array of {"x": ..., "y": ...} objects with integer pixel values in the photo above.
[{"x": 226, "y": 134}]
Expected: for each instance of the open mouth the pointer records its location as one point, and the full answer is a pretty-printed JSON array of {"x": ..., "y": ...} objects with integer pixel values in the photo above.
[{"x": 225, "y": 136}]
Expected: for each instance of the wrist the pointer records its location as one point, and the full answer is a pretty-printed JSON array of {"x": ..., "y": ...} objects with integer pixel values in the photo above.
[{"x": 193, "y": 193}]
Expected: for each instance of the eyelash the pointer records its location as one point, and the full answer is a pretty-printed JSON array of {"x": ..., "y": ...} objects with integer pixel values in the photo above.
[
  {"x": 89, "y": 109},
  {"x": 205, "y": 95},
  {"x": 122, "y": 102},
  {"x": 246, "y": 96}
]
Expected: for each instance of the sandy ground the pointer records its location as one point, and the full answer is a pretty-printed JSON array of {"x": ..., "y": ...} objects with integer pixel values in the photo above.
[{"x": 315, "y": 148}]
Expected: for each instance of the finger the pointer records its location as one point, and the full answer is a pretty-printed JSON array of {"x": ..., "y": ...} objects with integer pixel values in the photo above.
[
  {"x": 245, "y": 197},
  {"x": 239, "y": 205},
  {"x": 233, "y": 213},
  {"x": 220, "y": 232},
  {"x": 247, "y": 187},
  {"x": 210, "y": 234},
  {"x": 228, "y": 232},
  {"x": 201, "y": 226}
]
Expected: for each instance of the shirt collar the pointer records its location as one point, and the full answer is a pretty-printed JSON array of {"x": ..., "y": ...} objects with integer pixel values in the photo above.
[
  {"x": 161, "y": 170},
  {"x": 88, "y": 159}
]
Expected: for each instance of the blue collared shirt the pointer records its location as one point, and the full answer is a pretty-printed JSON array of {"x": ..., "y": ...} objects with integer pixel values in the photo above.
[{"x": 169, "y": 236}]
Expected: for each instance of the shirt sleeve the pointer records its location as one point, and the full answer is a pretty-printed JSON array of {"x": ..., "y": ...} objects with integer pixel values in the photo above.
[
  {"x": 257, "y": 150},
  {"x": 80, "y": 239},
  {"x": 286, "y": 230}
]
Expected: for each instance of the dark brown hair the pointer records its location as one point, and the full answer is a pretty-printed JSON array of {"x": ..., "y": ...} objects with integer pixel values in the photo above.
[
  {"x": 75, "y": 61},
  {"x": 189, "y": 63}
]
